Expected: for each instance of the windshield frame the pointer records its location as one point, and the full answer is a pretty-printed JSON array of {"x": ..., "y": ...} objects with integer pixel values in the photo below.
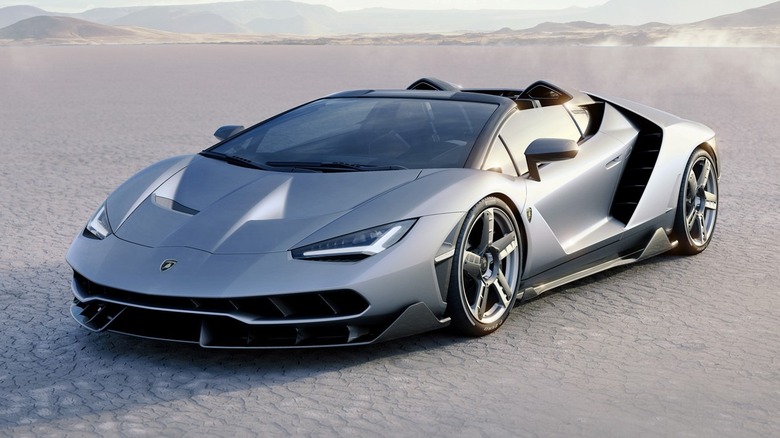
[{"x": 483, "y": 111}]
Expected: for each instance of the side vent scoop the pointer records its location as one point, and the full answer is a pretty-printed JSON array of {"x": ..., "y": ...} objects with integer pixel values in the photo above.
[
  {"x": 170, "y": 204},
  {"x": 637, "y": 173}
]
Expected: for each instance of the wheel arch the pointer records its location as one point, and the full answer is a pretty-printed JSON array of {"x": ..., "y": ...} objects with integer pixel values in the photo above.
[
  {"x": 706, "y": 208},
  {"x": 520, "y": 227},
  {"x": 463, "y": 297},
  {"x": 711, "y": 149}
]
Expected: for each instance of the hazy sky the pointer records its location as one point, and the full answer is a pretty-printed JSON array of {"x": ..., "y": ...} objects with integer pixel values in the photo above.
[{"x": 82, "y": 5}]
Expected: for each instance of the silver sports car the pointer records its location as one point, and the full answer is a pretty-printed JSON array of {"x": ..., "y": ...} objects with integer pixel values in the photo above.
[{"x": 369, "y": 215}]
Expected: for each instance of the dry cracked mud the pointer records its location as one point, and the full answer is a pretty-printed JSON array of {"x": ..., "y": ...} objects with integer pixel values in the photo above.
[{"x": 675, "y": 346}]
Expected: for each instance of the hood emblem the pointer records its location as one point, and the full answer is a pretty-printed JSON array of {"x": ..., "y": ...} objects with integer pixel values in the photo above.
[{"x": 167, "y": 264}]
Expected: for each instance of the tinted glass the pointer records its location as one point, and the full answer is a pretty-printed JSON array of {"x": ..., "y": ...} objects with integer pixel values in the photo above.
[{"x": 413, "y": 133}]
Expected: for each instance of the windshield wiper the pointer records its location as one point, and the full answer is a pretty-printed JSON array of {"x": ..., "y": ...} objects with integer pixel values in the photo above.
[
  {"x": 332, "y": 166},
  {"x": 235, "y": 160}
]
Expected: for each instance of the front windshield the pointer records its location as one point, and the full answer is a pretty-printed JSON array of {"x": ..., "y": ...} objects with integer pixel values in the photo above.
[{"x": 390, "y": 132}]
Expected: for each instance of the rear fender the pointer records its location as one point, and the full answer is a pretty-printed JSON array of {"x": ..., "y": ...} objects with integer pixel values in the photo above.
[
  {"x": 663, "y": 189},
  {"x": 680, "y": 138}
]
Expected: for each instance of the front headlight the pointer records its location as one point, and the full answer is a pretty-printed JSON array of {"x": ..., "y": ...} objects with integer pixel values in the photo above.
[
  {"x": 98, "y": 227},
  {"x": 356, "y": 246}
]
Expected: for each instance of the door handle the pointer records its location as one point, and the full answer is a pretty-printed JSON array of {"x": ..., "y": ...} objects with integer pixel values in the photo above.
[{"x": 614, "y": 162}]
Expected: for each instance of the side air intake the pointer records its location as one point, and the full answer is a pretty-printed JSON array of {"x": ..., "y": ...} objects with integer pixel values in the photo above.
[{"x": 637, "y": 172}]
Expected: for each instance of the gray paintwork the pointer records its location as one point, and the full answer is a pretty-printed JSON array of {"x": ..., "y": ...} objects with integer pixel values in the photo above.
[{"x": 231, "y": 229}]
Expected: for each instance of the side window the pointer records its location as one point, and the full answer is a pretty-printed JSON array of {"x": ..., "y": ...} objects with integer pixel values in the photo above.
[
  {"x": 527, "y": 125},
  {"x": 499, "y": 158}
]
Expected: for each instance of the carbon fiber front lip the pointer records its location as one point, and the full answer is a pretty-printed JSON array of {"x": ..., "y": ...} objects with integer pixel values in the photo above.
[{"x": 211, "y": 331}]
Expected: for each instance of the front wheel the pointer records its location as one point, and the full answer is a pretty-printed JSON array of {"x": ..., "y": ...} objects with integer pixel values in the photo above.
[
  {"x": 697, "y": 208},
  {"x": 486, "y": 269}
]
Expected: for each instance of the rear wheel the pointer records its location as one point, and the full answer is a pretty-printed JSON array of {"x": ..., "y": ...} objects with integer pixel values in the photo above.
[
  {"x": 697, "y": 207},
  {"x": 486, "y": 269}
]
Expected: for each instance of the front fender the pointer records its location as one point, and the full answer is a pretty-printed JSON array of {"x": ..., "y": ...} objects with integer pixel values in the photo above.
[{"x": 435, "y": 192}]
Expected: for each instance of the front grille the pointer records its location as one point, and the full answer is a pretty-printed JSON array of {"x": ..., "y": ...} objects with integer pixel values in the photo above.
[
  {"x": 308, "y": 305},
  {"x": 220, "y": 331}
]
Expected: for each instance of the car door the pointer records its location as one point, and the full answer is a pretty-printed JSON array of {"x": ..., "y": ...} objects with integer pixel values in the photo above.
[{"x": 567, "y": 210}]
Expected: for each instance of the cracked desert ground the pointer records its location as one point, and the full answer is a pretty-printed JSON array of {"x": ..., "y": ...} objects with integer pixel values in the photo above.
[{"x": 673, "y": 347}]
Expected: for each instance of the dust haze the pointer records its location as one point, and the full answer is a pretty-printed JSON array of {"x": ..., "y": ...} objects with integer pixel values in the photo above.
[{"x": 669, "y": 347}]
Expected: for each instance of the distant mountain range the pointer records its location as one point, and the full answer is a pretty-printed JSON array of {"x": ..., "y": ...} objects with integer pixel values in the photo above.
[
  {"x": 616, "y": 22},
  {"x": 66, "y": 30}
]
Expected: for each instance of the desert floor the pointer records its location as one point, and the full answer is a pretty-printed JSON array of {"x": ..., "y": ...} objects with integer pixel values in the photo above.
[{"x": 686, "y": 347}]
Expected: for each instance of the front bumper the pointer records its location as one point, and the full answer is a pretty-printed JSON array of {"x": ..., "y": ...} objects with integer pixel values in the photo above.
[{"x": 262, "y": 300}]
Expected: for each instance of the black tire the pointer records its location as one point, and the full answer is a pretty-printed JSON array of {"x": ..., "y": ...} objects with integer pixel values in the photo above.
[
  {"x": 697, "y": 205},
  {"x": 485, "y": 269}
]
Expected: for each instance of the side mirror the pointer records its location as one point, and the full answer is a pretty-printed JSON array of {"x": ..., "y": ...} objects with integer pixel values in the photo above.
[
  {"x": 545, "y": 150},
  {"x": 227, "y": 131}
]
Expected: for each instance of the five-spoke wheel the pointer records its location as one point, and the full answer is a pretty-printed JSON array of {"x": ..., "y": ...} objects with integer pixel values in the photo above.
[
  {"x": 697, "y": 209},
  {"x": 486, "y": 269}
]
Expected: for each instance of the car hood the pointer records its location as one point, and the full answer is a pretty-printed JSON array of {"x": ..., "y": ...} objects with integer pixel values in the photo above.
[{"x": 217, "y": 207}]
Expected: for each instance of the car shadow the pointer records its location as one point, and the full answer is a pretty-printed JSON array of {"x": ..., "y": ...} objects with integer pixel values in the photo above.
[{"x": 57, "y": 360}]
